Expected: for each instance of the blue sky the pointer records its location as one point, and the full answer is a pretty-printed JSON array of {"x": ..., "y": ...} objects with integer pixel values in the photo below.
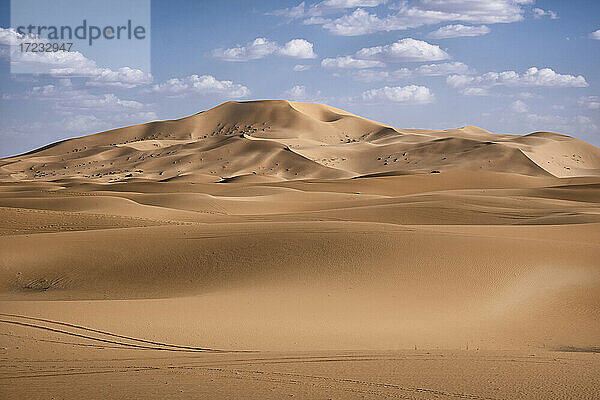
[{"x": 509, "y": 66}]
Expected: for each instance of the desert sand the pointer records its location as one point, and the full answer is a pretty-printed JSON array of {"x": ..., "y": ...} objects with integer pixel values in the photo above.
[{"x": 275, "y": 249}]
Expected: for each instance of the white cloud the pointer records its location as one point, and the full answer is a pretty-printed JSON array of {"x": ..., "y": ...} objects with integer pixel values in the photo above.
[
  {"x": 371, "y": 75},
  {"x": 533, "y": 77},
  {"x": 291, "y": 12},
  {"x": 83, "y": 123},
  {"x": 474, "y": 11},
  {"x": 262, "y": 47},
  {"x": 519, "y": 106},
  {"x": 66, "y": 98},
  {"x": 458, "y": 30},
  {"x": 69, "y": 64},
  {"x": 442, "y": 69},
  {"x": 539, "y": 13},
  {"x": 200, "y": 85},
  {"x": 350, "y": 62},
  {"x": 334, "y": 6},
  {"x": 377, "y": 75},
  {"x": 595, "y": 35},
  {"x": 474, "y": 91},
  {"x": 300, "y": 67},
  {"x": 359, "y": 22},
  {"x": 427, "y": 12},
  {"x": 407, "y": 49},
  {"x": 411, "y": 94},
  {"x": 324, "y": 7},
  {"x": 258, "y": 48},
  {"x": 300, "y": 93},
  {"x": 590, "y": 102},
  {"x": 298, "y": 48},
  {"x": 315, "y": 21},
  {"x": 124, "y": 77},
  {"x": 457, "y": 81},
  {"x": 404, "y": 50},
  {"x": 341, "y": 4},
  {"x": 296, "y": 92},
  {"x": 110, "y": 102},
  {"x": 9, "y": 37}
]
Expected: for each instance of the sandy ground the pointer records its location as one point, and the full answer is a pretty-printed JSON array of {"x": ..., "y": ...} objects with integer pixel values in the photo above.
[
  {"x": 97, "y": 372},
  {"x": 276, "y": 249}
]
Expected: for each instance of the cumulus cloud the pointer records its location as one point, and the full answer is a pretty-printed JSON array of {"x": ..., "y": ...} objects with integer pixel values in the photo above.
[
  {"x": 475, "y": 91},
  {"x": 359, "y": 22},
  {"x": 258, "y": 48},
  {"x": 296, "y": 92},
  {"x": 533, "y": 77},
  {"x": 472, "y": 11},
  {"x": 364, "y": 72},
  {"x": 298, "y": 48},
  {"x": 344, "y": 62},
  {"x": 67, "y": 98},
  {"x": 519, "y": 106},
  {"x": 111, "y": 101},
  {"x": 404, "y": 50},
  {"x": 458, "y": 30},
  {"x": 595, "y": 35},
  {"x": 427, "y": 12},
  {"x": 441, "y": 69},
  {"x": 69, "y": 64},
  {"x": 199, "y": 85},
  {"x": 262, "y": 47},
  {"x": 324, "y": 7},
  {"x": 8, "y": 37},
  {"x": 539, "y": 13},
  {"x": 315, "y": 21},
  {"x": 124, "y": 77},
  {"x": 407, "y": 49},
  {"x": 335, "y": 6},
  {"x": 371, "y": 75},
  {"x": 411, "y": 94},
  {"x": 298, "y": 11},
  {"x": 300, "y": 93}
]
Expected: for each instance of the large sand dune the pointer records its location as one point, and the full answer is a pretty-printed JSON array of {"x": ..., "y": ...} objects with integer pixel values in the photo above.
[
  {"x": 289, "y": 141},
  {"x": 324, "y": 243}
]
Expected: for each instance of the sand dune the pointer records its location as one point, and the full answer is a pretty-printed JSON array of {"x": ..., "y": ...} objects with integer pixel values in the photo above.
[
  {"x": 291, "y": 141},
  {"x": 325, "y": 243}
]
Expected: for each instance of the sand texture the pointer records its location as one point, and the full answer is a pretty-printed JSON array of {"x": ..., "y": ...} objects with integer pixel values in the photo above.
[{"x": 274, "y": 249}]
